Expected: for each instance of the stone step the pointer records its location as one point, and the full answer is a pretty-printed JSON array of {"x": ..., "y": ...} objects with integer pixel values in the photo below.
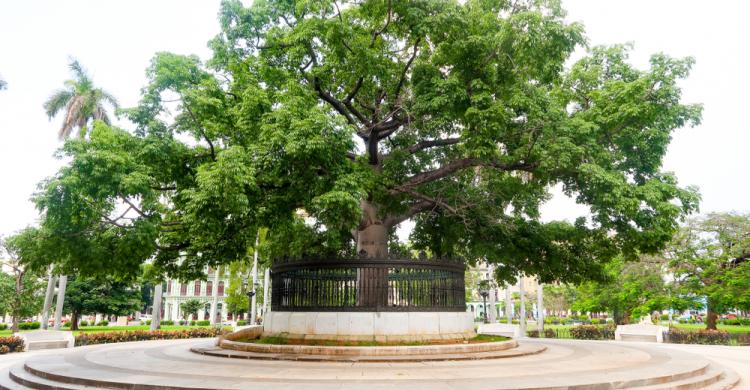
[
  {"x": 46, "y": 344},
  {"x": 8, "y": 384},
  {"x": 21, "y": 377},
  {"x": 709, "y": 377},
  {"x": 523, "y": 350}
]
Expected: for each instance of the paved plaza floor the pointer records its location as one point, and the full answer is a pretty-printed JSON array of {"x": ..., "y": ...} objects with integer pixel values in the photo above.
[{"x": 565, "y": 362}]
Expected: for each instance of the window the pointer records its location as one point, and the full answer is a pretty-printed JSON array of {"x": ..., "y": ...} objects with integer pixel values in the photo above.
[
  {"x": 221, "y": 289},
  {"x": 197, "y": 288},
  {"x": 183, "y": 289},
  {"x": 169, "y": 287},
  {"x": 209, "y": 288}
]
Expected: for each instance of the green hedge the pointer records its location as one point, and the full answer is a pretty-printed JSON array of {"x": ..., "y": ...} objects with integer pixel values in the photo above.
[
  {"x": 240, "y": 323},
  {"x": 3, "y": 326},
  {"x": 591, "y": 332},
  {"x": 703, "y": 336},
  {"x": 548, "y": 333},
  {"x": 203, "y": 323},
  {"x": 102, "y": 323},
  {"x": 143, "y": 335},
  {"x": 166, "y": 322},
  {"x": 11, "y": 344},
  {"x": 29, "y": 325}
]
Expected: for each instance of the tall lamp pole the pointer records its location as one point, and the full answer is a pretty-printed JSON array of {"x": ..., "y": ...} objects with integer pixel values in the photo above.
[{"x": 484, "y": 291}]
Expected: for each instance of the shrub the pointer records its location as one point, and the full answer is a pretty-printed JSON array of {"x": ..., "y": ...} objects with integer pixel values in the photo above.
[
  {"x": 147, "y": 322},
  {"x": 664, "y": 317},
  {"x": 591, "y": 332},
  {"x": 514, "y": 322},
  {"x": 192, "y": 323},
  {"x": 66, "y": 324},
  {"x": 239, "y": 323},
  {"x": 548, "y": 333},
  {"x": 594, "y": 321},
  {"x": 12, "y": 344},
  {"x": 143, "y": 335},
  {"x": 166, "y": 322},
  {"x": 83, "y": 323},
  {"x": 703, "y": 336},
  {"x": 102, "y": 323},
  {"x": 29, "y": 325},
  {"x": 203, "y": 323},
  {"x": 3, "y": 326},
  {"x": 745, "y": 321},
  {"x": 182, "y": 322}
]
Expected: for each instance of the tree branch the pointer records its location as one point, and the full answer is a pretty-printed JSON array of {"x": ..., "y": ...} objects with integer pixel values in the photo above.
[
  {"x": 200, "y": 129},
  {"x": 422, "y": 145},
  {"x": 414, "y": 209},
  {"x": 457, "y": 165}
]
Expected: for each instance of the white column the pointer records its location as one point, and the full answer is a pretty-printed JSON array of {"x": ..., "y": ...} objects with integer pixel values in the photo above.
[
  {"x": 522, "y": 309},
  {"x": 508, "y": 306},
  {"x": 60, "y": 301},
  {"x": 215, "y": 293},
  {"x": 540, "y": 307},
  {"x": 156, "y": 308},
  {"x": 48, "y": 297},
  {"x": 253, "y": 300},
  {"x": 266, "y": 295}
]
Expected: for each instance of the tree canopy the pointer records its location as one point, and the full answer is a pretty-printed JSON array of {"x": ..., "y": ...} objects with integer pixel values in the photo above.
[
  {"x": 330, "y": 123},
  {"x": 86, "y": 295},
  {"x": 710, "y": 260}
]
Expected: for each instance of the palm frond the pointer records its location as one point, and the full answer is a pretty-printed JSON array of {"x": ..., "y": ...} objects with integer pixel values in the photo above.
[
  {"x": 79, "y": 73},
  {"x": 101, "y": 114},
  {"x": 73, "y": 117},
  {"x": 109, "y": 98},
  {"x": 57, "y": 102}
]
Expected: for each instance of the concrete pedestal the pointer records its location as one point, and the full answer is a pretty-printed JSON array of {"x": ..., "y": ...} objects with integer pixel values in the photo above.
[{"x": 377, "y": 326}]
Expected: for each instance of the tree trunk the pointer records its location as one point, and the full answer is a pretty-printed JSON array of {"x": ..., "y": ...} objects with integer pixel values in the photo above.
[
  {"x": 74, "y": 320},
  {"x": 711, "y": 319},
  {"x": 372, "y": 242},
  {"x": 17, "y": 301}
]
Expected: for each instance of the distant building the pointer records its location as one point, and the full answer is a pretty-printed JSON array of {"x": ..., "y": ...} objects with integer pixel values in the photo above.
[
  {"x": 476, "y": 304},
  {"x": 178, "y": 292}
]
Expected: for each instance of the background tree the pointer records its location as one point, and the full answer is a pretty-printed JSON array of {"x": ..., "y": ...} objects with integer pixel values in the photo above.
[
  {"x": 3, "y": 84},
  {"x": 21, "y": 292},
  {"x": 190, "y": 308},
  {"x": 558, "y": 298},
  {"x": 632, "y": 290},
  {"x": 460, "y": 116},
  {"x": 81, "y": 102},
  {"x": 236, "y": 299},
  {"x": 709, "y": 260},
  {"x": 88, "y": 296}
]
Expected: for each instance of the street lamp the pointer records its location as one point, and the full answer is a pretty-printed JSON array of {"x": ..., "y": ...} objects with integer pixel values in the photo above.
[
  {"x": 484, "y": 291},
  {"x": 250, "y": 294}
]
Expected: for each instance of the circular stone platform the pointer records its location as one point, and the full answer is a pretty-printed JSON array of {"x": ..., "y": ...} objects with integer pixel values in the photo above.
[{"x": 563, "y": 365}]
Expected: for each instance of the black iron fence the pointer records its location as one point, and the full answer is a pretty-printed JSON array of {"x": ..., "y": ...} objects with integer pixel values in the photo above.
[{"x": 368, "y": 285}]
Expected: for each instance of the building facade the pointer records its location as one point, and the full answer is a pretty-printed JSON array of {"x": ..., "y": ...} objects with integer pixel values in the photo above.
[{"x": 178, "y": 292}]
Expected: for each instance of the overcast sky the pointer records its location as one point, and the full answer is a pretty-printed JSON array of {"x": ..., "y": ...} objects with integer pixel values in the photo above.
[{"x": 116, "y": 40}]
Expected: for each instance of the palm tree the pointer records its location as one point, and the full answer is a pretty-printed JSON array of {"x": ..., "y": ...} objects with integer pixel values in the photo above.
[{"x": 80, "y": 100}]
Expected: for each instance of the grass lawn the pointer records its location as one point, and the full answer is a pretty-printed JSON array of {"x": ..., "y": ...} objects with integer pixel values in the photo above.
[
  {"x": 99, "y": 329},
  {"x": 728, "y": 328}
]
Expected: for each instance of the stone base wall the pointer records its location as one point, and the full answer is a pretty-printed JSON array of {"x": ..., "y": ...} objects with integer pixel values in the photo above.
[{"x": 365, "y": 326}]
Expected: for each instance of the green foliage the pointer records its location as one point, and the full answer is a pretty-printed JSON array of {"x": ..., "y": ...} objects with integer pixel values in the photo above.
[
  {"x": 102, "y": 323},
  {"x": 236, "y": 300},
  {"x": 591, "y": 332},
  {"x": 87, "y": 295},
  {"x": 704, "y": 336},
  {"x": 631, "y": 290},
  {"x": 190, "y": 307},
  {"x": 316, "y": 119},
  {"x": 29, "y": 325},
  {"x": 709, "y": 258},
  {"x": 203, "y": 323}
]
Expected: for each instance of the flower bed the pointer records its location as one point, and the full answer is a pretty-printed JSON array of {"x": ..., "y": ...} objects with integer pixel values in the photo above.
[
  {"x": 143, "y": 335},
  {"x": 11, "y": 344}
]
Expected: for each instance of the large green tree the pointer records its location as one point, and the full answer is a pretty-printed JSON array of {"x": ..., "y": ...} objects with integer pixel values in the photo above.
[
  {"x": 86, "y": 296},
  {"x": 21, "y": 291},
  {"x": 710, "y": 260},
  {"x": 80, "y": 101},
  {"x": 360, "y": 115},
  {"x": 631, "y": 290}
]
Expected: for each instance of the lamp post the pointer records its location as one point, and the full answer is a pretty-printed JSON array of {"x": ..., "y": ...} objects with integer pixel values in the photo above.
[
  {"x": 484, "y": 291},
  {"x": 250, "y": 294}
]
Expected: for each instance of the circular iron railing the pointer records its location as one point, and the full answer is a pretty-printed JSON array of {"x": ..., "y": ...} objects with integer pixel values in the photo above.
[{"x": 368, "y": 284}]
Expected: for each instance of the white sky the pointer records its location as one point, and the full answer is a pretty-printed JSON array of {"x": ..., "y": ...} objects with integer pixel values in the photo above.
[{"x": 116, "y": 40}]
